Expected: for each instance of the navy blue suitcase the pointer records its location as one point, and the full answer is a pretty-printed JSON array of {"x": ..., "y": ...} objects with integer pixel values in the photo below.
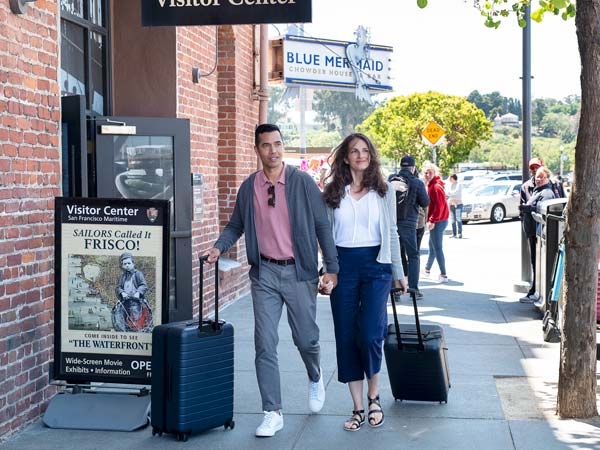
[
  {"x": 416, "y": 359},
  {"x": 192, "y": 373}
]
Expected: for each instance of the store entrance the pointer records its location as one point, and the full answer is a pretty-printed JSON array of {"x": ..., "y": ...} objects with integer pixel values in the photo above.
[{"x": 149, "y": 158}]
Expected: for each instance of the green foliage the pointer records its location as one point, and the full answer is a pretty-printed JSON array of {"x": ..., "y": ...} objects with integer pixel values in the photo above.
[
  {"x": 506, "y": 148},
  {"x": 494, "y": 10},
  {"x": 556, "y": 118},
  {"x": 494, "y": 104},
  {"x": 341, "y": 111},
  {"x": 396, "y": 127},
  {"x": 315, "y": 138}
]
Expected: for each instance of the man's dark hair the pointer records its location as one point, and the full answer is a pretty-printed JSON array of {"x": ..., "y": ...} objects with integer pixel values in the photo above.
[
  {"x": 454, "y": 177},
  {"x": 265, "y": 128}
]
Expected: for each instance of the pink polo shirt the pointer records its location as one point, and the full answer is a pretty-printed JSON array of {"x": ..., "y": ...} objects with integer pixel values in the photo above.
[{"x": 272, "y": 223}]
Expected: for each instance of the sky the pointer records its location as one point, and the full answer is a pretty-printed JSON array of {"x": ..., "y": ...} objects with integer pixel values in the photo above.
[{"x": 446, "y": 47}]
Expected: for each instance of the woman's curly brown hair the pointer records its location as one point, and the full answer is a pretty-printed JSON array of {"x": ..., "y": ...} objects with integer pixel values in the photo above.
[{"x": 340, "y": 175}]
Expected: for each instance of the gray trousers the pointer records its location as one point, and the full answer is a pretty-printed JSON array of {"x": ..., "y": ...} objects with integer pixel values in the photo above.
[{"x": 277, "y": 286}]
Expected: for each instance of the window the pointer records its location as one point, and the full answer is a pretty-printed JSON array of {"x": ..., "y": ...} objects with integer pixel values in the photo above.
[{"x": 84, "y": 60}]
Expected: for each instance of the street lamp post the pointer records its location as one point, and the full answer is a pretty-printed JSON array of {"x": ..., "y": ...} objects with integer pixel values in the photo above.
[{"x": 562, "y": 158}]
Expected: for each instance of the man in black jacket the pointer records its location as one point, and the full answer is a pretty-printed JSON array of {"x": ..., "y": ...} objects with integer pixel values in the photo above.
[{"x": 407, "y": 211}]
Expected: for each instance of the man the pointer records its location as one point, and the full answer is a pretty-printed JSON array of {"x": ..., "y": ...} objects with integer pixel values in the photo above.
[
  {"x": 410, "y": 195},
  {"x": 282, "y": 214},
  {"x": 528, "y": 224}
]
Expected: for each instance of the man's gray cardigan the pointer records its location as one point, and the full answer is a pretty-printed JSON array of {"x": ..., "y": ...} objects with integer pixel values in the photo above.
[{"x": 308, "y": 221}]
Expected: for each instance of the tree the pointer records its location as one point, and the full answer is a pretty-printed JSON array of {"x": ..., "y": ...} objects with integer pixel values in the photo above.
[
  {"x": 494, "y": 103},
  {"x": 555, "y": 125},
  {"x": 397, "y": 125},
  {"x": 577, "y": 371},
  {"x": 279, "y": 104},
  {"x": 340, "y": 110}
]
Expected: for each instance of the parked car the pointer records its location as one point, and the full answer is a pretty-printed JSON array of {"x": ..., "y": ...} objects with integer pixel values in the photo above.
[
  {"x": 495, "y": 202},
  {"x": 491, "y": 178}
]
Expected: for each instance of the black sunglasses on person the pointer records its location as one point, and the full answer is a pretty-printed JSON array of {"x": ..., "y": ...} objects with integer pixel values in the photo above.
[{"x": 271, "y": 192}]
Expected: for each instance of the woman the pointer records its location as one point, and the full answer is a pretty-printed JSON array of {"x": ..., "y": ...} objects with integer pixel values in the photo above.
[
  {"x": 454, "y": 195},
  {"x": 362, "y": 211},
  {"x": 542, "y": 191},
  {"x": 437, "y": 219}
]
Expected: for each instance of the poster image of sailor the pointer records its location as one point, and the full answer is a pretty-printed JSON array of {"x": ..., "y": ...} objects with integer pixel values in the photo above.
[{"x": 95, "y": 303}]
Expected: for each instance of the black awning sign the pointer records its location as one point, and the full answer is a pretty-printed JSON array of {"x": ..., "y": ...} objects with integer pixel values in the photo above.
[{"x": 224, "y": 12}]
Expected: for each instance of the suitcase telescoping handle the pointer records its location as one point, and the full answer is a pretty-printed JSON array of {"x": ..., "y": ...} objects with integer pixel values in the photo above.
[
  {"x": 413, "y": 296},
  {"x": 213, "y": 324}
]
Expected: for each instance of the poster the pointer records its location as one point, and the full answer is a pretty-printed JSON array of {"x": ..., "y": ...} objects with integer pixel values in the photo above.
[{"x": 110, "y": 287}]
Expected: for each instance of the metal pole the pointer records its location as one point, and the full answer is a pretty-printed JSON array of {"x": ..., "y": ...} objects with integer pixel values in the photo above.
[
  {"x": 562, "y": 159},
  {"x": 526, "y": 101},
  {"x": 263, "y": 90},
  {"x": 302, "y": 100}
]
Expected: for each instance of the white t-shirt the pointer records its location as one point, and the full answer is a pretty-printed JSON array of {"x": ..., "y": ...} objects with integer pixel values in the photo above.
[{"x": 356, "y": 222}]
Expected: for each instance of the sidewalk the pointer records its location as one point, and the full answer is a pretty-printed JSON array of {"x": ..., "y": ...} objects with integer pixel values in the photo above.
[{"x": 503, "y": 375}]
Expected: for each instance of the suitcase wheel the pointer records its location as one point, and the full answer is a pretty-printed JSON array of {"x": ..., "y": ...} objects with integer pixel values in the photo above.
[
  {"x": 182, "y": 437},
  {"x": 156, "y": 431},
  {"x": 230, "y": 424}
]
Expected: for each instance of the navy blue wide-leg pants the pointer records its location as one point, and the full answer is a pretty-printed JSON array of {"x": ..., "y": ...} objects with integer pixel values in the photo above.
[{"x": 359, "y": 307}]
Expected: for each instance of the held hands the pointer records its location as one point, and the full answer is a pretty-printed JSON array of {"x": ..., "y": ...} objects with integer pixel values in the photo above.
[
  {"x": 213, "y": 254},
  {"x": 430, "y": 226},
  {"x": 327, "y": 282}
]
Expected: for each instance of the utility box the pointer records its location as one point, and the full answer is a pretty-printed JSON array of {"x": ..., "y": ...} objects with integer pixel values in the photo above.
[{"x": 549, "y": 216}]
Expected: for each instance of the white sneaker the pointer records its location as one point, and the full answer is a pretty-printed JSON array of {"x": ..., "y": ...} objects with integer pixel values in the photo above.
[
  {"x": 529, "y": 298},
  {"x": 443, "y": 279},
  {"x": 316, "y": 394},
  {"x": 271, "y": 424}
]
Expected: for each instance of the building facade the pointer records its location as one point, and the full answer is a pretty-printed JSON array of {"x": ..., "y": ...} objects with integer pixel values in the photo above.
[{"x": 97, "y": 53}]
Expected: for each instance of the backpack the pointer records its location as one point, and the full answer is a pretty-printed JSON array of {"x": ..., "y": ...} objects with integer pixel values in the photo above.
[
  {"x": 557, "y": 188},
  {"x": 401, "y": 185}
]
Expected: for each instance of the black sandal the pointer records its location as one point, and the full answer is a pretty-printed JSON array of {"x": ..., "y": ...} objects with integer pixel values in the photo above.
[
  {"x": 378, "y": 410},
  {"x": 356, "y": 421}
]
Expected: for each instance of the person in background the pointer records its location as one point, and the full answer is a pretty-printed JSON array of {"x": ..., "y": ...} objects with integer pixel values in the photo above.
[
  {"x": 437, "y": 219},
  {"x": 362, "y": 211},
  {"x": 421, "y": 222},
  {"x": 454, "y": 194},
  {"x": 280, "y": 211},
  {"x": 421, "y": 219},
  {"x": 542, "y": 191},
  {"x": 528, "y": 224},
  {"x": 528, "y": 186},
  {"x": 407, "y": 209}
]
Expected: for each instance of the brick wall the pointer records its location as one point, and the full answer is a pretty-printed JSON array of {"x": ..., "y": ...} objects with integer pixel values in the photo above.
[
  {"x": 222, "y": 116},
  {"x": 29, "y": 181},
  {"x": 222, "y": 119}
]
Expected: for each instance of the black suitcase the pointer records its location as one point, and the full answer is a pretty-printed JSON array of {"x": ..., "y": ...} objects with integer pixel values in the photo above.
[
  {"x": 192, "y": 373},
  {"x": 416, "y": 359}
]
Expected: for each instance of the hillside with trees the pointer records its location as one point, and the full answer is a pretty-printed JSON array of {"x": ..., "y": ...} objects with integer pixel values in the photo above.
[{"x": 554, "y": 124}]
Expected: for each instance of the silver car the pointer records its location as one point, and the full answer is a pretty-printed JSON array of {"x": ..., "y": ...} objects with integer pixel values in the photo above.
[{"x": 494, "y": 202}]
